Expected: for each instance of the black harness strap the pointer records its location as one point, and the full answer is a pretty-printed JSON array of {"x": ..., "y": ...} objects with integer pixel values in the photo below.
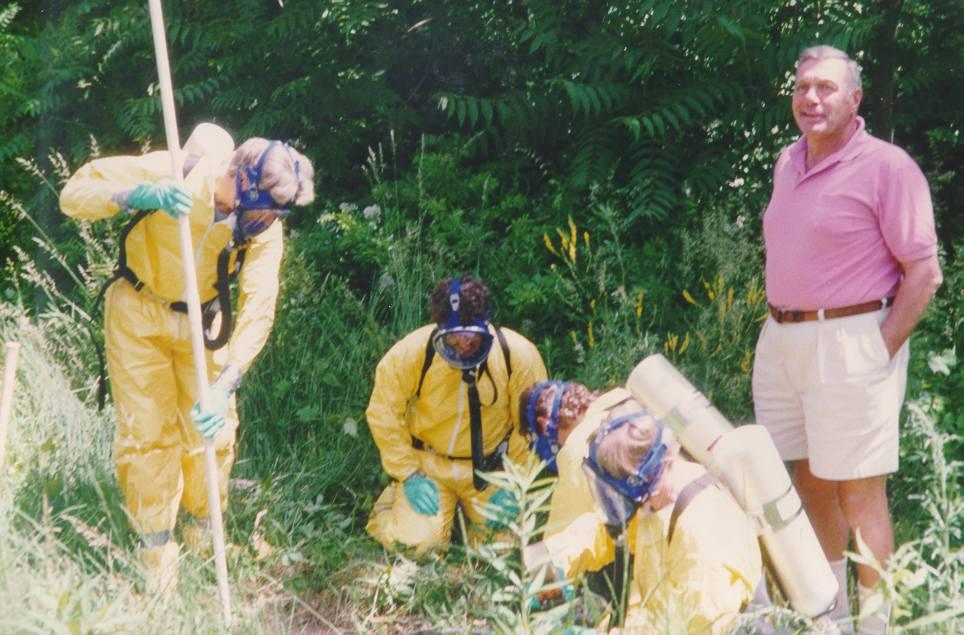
[
  {"x": 491, "y": 461},
  {"x": 121, "y": 270},
  {"x": 475, "y": 427},
  {"x": 221, "y": 302},
  {"x": 427, "y": 362}
]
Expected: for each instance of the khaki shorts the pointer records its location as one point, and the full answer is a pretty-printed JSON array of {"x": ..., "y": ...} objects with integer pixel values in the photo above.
[{"x": 828, "y": 391}]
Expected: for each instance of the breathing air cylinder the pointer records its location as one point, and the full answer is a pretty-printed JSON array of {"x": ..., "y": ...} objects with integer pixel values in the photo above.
[
  {"x": 671, "y": 397},
  {"x": 747, "y": 462}
]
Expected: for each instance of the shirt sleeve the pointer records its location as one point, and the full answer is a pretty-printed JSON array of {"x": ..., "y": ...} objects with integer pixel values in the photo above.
[
  {"x": 905, "y": 211},
  {"x": 258, "y": 296},
  {"x": 88, "y": 194},
  {"x": 584, "y": 545},
  {"x": 395, "y": 378}
]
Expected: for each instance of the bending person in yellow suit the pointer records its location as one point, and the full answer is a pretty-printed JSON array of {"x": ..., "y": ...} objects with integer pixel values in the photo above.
[
  {"x": 232, "y": 198},
  {"x": 444, "y": 408},
  {"x": 697, "y": 559},
  {"x": 559, "y": 418}
]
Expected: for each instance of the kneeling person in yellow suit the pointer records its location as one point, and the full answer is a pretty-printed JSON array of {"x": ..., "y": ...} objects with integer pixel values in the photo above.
[
  {"x": 443, "y": 409},
  {"x": 231, "y": 198}
]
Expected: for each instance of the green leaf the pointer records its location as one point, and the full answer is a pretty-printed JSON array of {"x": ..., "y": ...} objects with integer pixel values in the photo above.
[
  {"x": 658, "y": 121},
  {"x": 487, "y": 111},
  {"x": 633, "y": 125},
  {"x": 473, "y": 107},
  {"x": 648, "y": 122}
]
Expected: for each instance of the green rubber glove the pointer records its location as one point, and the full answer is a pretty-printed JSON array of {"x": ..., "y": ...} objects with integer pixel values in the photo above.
[
  {"x": 163, "y": 195},
  {"x": 505, "y": 508},
  {"x": 422, "y": 494},
  {"x": 210, "y": 421}
]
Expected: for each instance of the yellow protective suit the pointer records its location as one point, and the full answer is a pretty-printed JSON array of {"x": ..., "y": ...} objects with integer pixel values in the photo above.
[
  {"x": 440, "y": 419},
  {"x": 157, "y": 451},
  {"x": 700, "y": 580}
]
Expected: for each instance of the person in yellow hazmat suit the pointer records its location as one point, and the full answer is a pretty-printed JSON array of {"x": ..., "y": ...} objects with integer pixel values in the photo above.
[
  {"x": 444, "y": 409},
  {"x": 558, "y": 418},
  {"x": 232, "y": 198},
  {"x": 697, "y": 559}
]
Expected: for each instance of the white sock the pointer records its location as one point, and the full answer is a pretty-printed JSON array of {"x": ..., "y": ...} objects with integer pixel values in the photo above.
[
  {"x": 842, "y": 610},
  {"x": 874, "y": 610}
]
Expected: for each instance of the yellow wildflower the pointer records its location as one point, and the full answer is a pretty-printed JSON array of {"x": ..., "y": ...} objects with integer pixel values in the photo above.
[
  {"x": 747, "y": 364},
  {"x": 563, "y": 239}
]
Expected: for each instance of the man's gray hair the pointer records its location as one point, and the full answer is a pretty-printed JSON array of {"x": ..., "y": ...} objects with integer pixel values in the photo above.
[{"x": 826, "y": 52}]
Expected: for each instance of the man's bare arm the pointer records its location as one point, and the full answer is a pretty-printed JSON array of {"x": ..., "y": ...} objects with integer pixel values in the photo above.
[{"x": 921, "y": 281}]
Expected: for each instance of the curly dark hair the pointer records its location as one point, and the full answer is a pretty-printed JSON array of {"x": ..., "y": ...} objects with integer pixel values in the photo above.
[
  {"x": 573, "y": 405},
  {"x": 473, "y": 300}
]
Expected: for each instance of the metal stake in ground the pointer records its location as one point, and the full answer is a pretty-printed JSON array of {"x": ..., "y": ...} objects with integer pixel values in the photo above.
[
  {"x": 6, "y": 396},
  {"x": 192, "y": 299}
]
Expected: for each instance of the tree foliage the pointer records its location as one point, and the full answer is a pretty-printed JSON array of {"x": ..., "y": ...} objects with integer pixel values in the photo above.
[{"x": 658, "y": 102}]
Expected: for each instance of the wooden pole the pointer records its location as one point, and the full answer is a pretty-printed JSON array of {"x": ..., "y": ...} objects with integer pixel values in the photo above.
[
  {"x": 6, "y": 395},
  {"x": 192, "y": 299}
]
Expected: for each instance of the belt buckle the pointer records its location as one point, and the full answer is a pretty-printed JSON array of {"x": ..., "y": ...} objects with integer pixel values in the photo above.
[
  {"x": 782, "y": 315},
  {"x": 796, "y": 315}
]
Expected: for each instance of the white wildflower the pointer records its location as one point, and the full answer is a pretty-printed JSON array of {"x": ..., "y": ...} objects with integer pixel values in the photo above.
[{"x": 372, "y": 213}]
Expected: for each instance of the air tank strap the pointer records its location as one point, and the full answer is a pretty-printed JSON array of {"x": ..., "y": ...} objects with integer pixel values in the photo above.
[
  {"x": 782, "y": 510},
  {"x": 685, "y": 497}
]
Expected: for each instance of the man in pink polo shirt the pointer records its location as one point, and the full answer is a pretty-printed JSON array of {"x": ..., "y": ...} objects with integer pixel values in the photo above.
[{"x": 851, "y": 264}]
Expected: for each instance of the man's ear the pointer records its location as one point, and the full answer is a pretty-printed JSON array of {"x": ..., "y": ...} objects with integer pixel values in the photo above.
[{"x": 857, "y": 95}]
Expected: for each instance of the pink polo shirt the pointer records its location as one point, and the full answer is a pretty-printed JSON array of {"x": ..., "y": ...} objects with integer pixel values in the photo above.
[{"x": 835, "y": 236}]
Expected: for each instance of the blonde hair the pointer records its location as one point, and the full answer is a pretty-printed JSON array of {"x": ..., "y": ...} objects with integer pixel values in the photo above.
[
  {"x": 621, "y": 451},
  {"x": 278, "y": 176}
]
